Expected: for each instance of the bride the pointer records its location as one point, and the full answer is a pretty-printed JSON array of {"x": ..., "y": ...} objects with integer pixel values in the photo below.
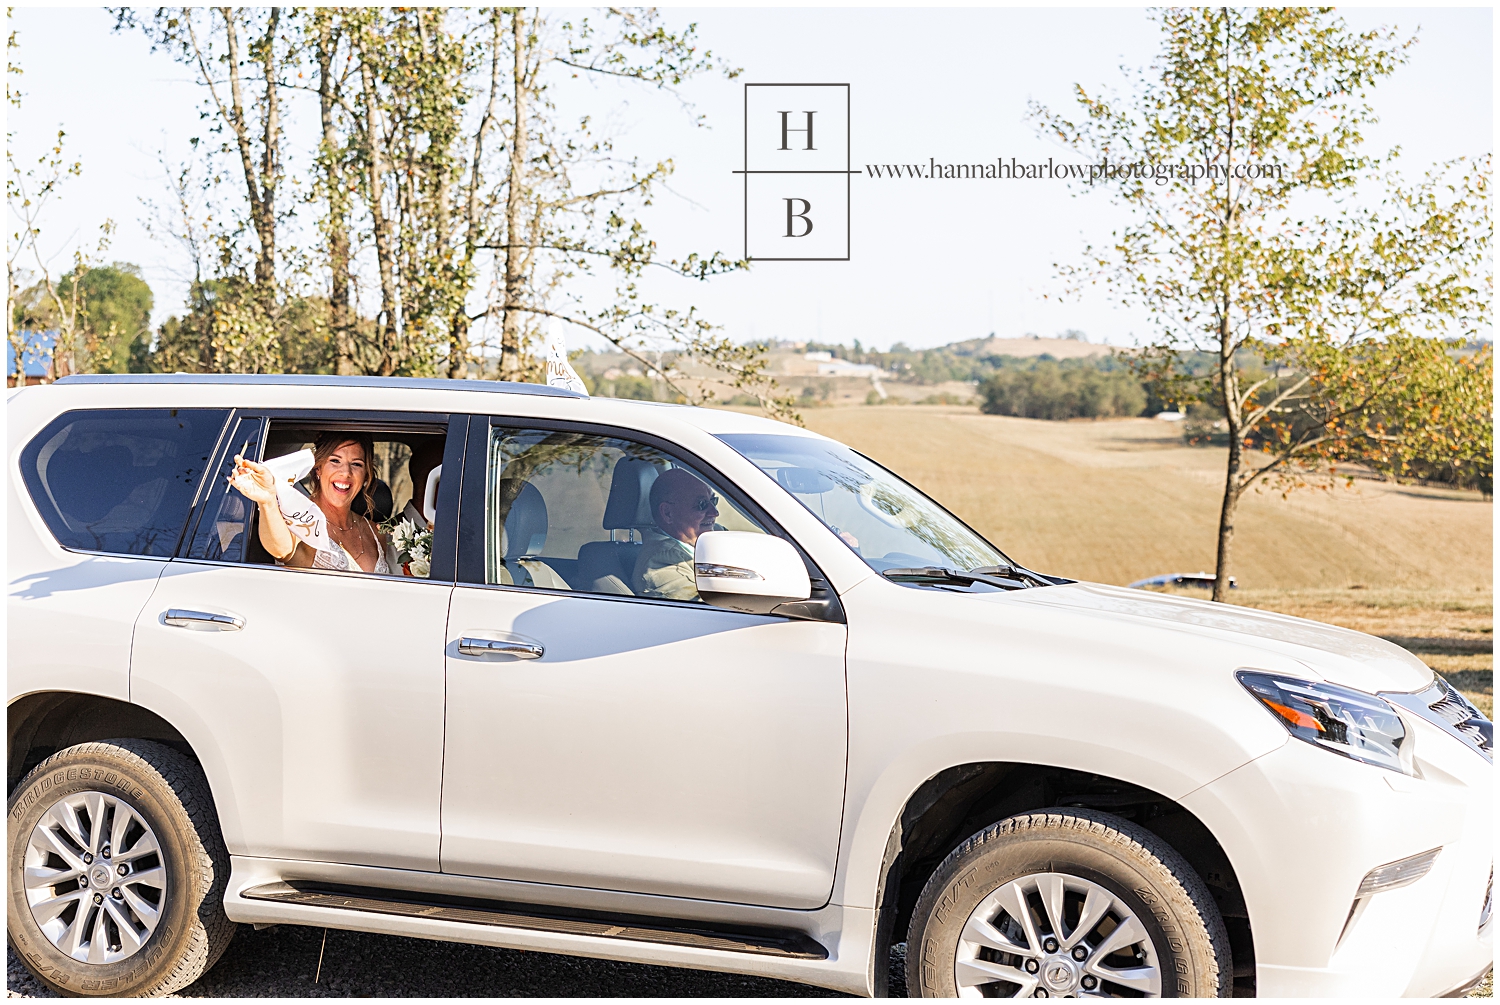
[{"x": 341, "y": 474}]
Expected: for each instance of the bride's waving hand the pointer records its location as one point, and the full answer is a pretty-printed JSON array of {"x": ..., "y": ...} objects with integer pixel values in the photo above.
[{"x": 256, "y": 482}]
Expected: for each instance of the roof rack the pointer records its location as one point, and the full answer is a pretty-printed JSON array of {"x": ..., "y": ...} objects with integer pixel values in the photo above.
[{"x": 321, "y": 380}]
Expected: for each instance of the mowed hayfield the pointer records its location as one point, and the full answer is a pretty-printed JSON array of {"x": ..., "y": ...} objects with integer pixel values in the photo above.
[
  {"x": 1113, "y": 501},
  {"x": 1119, "y": 500}
]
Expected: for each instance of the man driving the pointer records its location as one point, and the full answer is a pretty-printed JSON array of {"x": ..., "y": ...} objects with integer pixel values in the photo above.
[{"x": 683, "y": 508}]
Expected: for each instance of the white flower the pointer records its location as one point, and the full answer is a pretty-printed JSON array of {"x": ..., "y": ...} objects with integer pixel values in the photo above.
[
  {"x": 416, "y": 545},
  {"x": 403, "y": 535}
]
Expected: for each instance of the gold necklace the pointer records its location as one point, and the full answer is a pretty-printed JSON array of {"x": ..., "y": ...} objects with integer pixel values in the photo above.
[{"x": 339, "y": 537}]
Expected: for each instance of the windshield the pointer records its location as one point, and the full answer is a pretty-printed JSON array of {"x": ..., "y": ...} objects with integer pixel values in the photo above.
[{"x": 887, "y": 522}]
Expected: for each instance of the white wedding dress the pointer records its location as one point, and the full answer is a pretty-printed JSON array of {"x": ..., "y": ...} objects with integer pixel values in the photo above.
[
  {"x": 310, "y": 527},
  {"x": 341, "y": 559}
]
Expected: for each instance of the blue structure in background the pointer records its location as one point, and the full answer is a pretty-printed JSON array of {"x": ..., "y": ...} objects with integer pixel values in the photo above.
[{"x": 37, "y": 359}]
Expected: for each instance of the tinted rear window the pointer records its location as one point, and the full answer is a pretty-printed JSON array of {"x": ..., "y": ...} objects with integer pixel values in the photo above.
[{"x": 120, "y": 480}]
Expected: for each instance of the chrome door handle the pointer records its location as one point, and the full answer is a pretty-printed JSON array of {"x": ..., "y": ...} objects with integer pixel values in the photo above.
[
  {"x": 494, "y": 647},
  {"x": 202, "y": 620}
]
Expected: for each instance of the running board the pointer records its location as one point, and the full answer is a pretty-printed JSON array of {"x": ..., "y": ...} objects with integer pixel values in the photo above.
[{"x": 787, "y": 944}]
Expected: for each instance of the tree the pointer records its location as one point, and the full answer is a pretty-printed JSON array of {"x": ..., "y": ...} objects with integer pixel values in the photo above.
[
  {"x": 101, "y": 322},
  {"x": 221, "y": 44},
  {"x": 240, "y": 56},
  {"x": 441, "y": 156},
  {"x": 556, "y": 227},
  {"x": 410, "y": 73},
  {"x": 115, "y": 304},
  {"x": 1062, "y": 389},
  {"x": 1240, "y": 156},
  {"x": 91, "y": 318}
]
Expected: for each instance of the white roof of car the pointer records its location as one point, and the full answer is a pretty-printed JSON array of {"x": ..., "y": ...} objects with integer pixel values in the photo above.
[{"x": 710, "y": 420}]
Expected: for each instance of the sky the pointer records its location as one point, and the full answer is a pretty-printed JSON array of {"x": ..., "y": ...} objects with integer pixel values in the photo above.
[{"x": 930, "y": 262}]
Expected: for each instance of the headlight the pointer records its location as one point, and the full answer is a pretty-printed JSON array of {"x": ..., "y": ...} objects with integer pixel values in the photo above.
[{"x": 1339, "y": 719}]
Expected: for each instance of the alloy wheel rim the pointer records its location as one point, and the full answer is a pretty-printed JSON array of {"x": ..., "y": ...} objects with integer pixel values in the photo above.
[
  {"x": 1051, "y": 935},
  {"x": 94, "y": 877}
]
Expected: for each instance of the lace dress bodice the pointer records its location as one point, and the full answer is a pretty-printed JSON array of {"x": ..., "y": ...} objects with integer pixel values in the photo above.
[{"x": 341, "y": 559}]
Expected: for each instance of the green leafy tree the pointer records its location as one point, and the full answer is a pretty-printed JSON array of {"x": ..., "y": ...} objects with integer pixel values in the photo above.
[
  {"x": 1246, "y": 137},
  {"x": 102, "y": 322},
  {"x": 230, "y": 327},
  {"x": 442, "y": 155},
  {"x": 241, "y": 57},
  {"x": 115, "y": 308},
  {"x": 1062, "y": 389}
]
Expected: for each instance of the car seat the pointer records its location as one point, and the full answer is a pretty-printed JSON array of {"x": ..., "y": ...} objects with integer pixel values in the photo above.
[
  {"x": 606, "y": 566},
  {"x": 524, "y": 534},
  {"x": 385, "y": 503}
]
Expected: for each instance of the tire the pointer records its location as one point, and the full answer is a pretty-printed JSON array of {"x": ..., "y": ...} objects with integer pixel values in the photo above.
[
  {"x": 165, "y": 881},
  {"x": 1109, "y": 881}
]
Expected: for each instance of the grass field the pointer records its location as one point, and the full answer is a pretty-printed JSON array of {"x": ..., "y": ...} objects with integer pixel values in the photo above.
[{"x": 1117, "y": 501}]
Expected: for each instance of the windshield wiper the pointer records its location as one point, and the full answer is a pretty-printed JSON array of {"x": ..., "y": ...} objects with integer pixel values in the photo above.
[
  {"x": 1013, "y": 572},
  {"x": 940, "y": 574}
]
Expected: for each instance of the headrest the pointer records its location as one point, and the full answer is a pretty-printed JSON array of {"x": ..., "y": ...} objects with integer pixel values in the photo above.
[
  {"x": 525, "y": 525},
  {"x": 384, "y": 503},
  {"x": 629, "y": 505}
]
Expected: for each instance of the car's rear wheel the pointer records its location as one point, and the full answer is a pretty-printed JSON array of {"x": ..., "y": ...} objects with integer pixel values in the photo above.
[
  {"x": 1066, "y": 903},
  {"x": 117, "y": 871}
]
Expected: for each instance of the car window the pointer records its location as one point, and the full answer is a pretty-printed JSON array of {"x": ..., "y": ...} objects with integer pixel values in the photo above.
[
  {"x": 886, "y": 521},
  {"x": 574, "y": 511},
  {"x": 227, "y": 530},
  {"x": 226, "y": 527},
  {"x": 120, "y": 480}
]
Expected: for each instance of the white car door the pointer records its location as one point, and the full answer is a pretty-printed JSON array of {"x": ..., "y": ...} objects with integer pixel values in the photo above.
[
  {"x": 651, "y": 745},
  {"x": 319, "y": 711}
]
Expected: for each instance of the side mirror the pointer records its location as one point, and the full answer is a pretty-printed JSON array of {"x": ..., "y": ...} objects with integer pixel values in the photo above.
[{"x": 752, "y": 573}]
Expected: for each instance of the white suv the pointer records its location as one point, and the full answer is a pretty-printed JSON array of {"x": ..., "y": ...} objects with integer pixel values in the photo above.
[{"x": 852, "y": 722}]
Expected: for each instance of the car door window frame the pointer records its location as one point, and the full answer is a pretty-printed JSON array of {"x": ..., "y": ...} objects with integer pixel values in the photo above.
[
  {"x": 365, "y": 420},
  {"x": 223, "y": 451},
  {"x": 473, "y": 500}
]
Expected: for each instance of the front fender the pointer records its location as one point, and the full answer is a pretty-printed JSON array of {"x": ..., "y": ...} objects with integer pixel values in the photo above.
[{"x": 938, "y": 679}]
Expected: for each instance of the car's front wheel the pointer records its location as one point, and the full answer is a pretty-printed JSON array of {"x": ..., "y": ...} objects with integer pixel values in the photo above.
[
  {"x": 117, "y": 871},
  {"x": 1066, "y": 903}
]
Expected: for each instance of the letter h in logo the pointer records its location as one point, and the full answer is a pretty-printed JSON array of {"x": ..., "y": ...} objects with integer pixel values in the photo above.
[{"x": 796, "y": 172}]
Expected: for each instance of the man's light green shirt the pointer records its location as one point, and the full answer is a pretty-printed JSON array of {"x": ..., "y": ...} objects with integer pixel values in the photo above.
[{"x": 664, "y": 569}]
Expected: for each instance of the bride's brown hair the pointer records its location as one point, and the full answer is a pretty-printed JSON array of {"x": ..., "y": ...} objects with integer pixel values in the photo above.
[{"x": 327, "y": 443}]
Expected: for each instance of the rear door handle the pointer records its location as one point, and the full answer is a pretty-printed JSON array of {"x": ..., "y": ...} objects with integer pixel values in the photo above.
[
  {"x": 497, "y": 647},
  {"x": 202, "y": 621}
]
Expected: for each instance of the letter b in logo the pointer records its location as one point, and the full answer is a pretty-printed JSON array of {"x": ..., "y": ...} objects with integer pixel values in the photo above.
[{"x": 796, "y": 213}]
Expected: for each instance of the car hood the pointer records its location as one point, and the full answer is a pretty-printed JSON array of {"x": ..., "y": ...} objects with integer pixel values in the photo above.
[{"x": 1339, "y": 655}]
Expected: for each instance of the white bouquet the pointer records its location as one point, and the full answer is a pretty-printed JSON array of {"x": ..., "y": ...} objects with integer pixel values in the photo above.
[{"x": 415, "y": 546}]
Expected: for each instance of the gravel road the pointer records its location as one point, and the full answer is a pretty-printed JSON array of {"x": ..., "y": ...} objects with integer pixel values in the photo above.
[{"x": 281, "y": 963}]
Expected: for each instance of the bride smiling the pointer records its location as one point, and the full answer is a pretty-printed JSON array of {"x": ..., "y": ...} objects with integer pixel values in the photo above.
[{"x": 340, "y": 475}]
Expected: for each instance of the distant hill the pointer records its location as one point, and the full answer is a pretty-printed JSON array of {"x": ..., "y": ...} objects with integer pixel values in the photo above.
[{"x": 1057, "y": 348}]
